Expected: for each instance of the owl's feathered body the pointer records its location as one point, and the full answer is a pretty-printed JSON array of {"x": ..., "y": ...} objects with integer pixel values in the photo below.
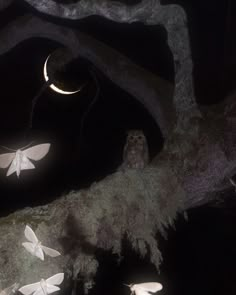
[{"x": 135, "y": 154}]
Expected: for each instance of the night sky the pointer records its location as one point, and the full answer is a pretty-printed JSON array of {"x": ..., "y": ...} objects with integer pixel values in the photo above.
[{"x": 199, "y": 256}]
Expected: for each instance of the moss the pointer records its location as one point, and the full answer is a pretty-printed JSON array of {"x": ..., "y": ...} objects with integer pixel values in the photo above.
[{"x": 132, "y": 203}]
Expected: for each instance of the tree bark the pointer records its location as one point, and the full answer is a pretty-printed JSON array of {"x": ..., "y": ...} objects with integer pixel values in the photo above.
[
  {"x": 155, "y": 93},
  {"x": 132, "y": 204},
  {"x": 149, "y": 12},
  {"x": 198, "y": 157}
]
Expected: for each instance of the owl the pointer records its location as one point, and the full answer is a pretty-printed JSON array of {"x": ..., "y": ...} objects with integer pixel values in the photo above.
[{"x": 135, "y": 154}]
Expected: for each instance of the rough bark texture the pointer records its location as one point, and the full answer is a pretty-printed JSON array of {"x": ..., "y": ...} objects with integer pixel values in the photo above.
[
  {"x": 136, "y": 204},
  {"x": 197, "y": 160},
  {"x": 141, "y": 84},
  {"x": 150, "y": 12}
]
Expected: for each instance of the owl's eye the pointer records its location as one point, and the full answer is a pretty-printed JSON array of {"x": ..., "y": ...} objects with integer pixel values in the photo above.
[
  {"x": 131, "y": 137},
  {"x": 140, "y": 137}
]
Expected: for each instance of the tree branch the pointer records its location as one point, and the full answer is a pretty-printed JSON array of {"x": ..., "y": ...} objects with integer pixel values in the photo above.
[
  {"x": 150, "y": 12},
  {"x": 152, "y": 91},
  {"x": 114, "y": 10},
  {"x": 204, "y": 154},
  {"x": 132, "y": 204}
]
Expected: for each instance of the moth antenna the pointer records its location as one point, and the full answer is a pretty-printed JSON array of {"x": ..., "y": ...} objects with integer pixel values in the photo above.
[
  {"x": 24, "y": 147},
  {"x": 14, "y": 150},
  {"x": 7, "y": 148}
]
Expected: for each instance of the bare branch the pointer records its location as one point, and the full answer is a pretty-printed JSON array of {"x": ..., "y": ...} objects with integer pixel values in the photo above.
[
  {"x": 150, "y": 12},
  {"x": 195, "y": 162},
  {"x": 114, "y": 10},
  {"x": 135, "y": 204},
  {"x": 152, "y": 91}
]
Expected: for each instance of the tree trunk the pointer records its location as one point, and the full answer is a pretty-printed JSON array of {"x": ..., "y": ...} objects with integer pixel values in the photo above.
[{"x": 197, "y": 159}]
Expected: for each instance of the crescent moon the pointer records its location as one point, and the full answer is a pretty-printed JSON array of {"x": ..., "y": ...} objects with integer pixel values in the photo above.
[{"x": 53, "y": 86}]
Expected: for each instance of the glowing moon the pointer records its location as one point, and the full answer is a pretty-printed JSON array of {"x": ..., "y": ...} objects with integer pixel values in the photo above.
[{"x": 52, "y": 86}]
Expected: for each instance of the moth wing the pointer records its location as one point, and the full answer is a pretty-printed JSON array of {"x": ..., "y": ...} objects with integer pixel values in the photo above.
[
  {"x": 57, "y": 279},
  {"x": 39, "y": 253},
  {"x": 37, "y": 152},
  {"x": 29, "y": 247},
  {"x": 26, "y": 163},
  {"x": 51, "y": 288},
  {"x": 12, "y": 168},
  {"x": 150, "y": 287},
  {"x": 50, "y": 252},
  {"x": 141, "y": 292},
  {"x": 28, "y": 289},
  {"x": 30, "y": 235},
  {"x": 6, "y": 159},
  {"x": 39, "y": 291}
]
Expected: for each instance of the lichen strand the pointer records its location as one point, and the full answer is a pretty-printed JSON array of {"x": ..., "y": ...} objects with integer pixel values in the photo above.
[{"x": 132, "y": 203}]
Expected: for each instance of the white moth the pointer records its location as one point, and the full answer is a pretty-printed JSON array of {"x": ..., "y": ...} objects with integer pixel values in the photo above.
[
  {"x": 145, "y": 288},
  {"x": 35, "y": 247},
  {"x": 43, "y": 287},
  {"x": 12, "y": 289},
  {"x": 20, "y": 159}
]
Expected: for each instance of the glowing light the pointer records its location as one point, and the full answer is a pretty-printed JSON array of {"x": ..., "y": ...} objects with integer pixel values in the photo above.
[{"x": 53, "y": 86}]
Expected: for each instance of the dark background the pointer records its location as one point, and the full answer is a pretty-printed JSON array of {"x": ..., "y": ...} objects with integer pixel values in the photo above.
[{"x": 199, "y": 256}]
